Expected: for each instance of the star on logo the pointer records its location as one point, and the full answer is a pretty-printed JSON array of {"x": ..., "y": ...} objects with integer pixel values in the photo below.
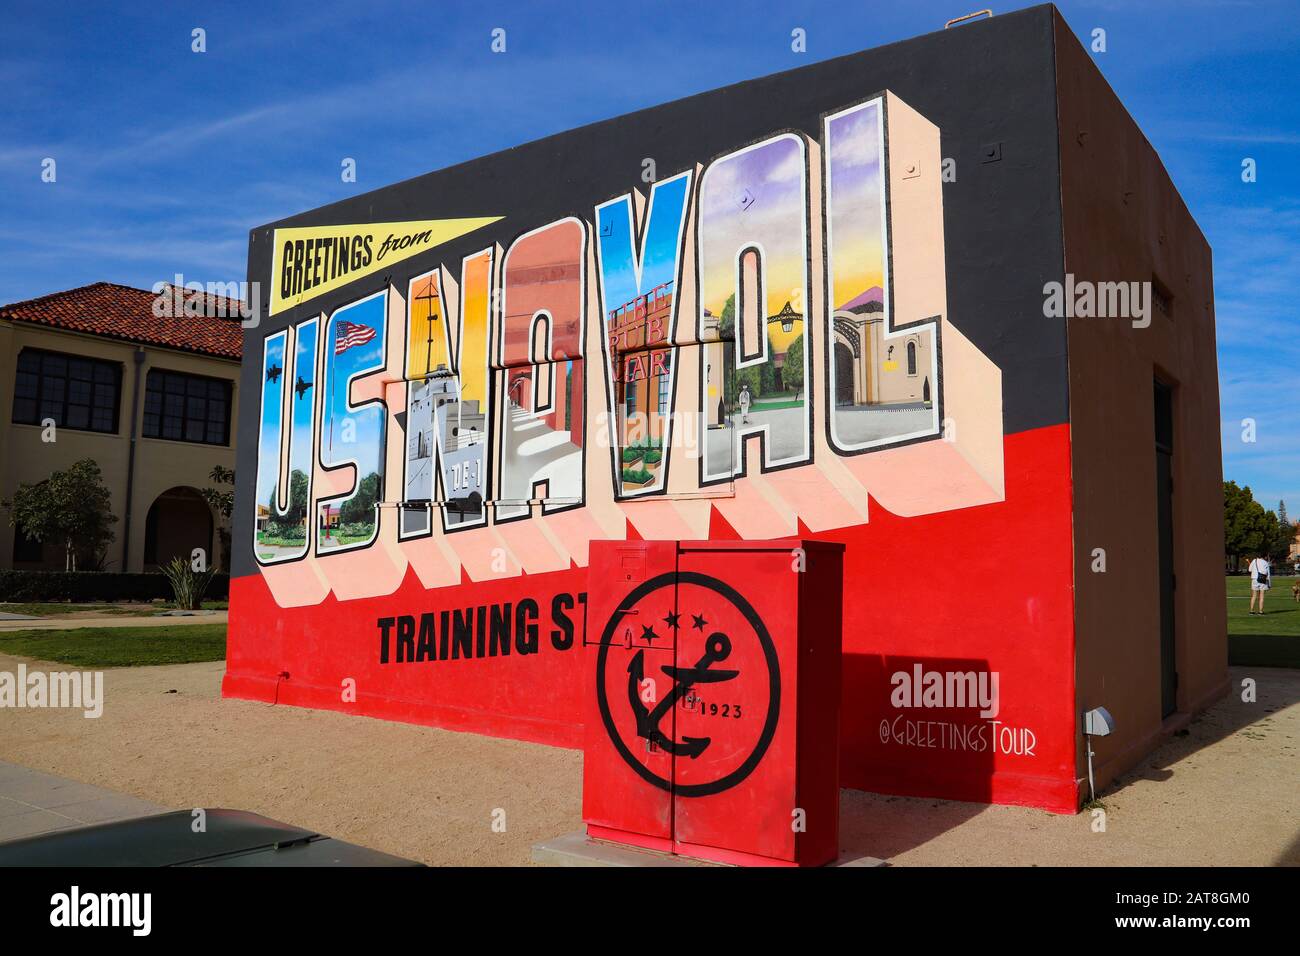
[
  {"x": 648, "y": 632},
  {"x": 671, "y": 619},
  {"x": 699, "y": 621}
]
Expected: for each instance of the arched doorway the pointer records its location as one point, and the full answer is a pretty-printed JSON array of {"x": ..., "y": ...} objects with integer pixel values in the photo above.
[
  {"x": 843, "y": 374},
  {"x": 520, "y": 391},
  {"x": 179, "y": 521}
]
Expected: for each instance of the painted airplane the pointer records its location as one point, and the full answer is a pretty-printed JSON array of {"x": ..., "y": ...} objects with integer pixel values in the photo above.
[
  {"x": 301, "y": 387},
  {"x": 273, "y": 373}
]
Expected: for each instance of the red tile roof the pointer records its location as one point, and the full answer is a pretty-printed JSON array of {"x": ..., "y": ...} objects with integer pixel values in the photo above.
[{"x": 122, "y": 312}]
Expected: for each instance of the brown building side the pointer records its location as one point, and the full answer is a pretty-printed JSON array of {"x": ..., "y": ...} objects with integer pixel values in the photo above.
[{"x": 1123, "y": 220}]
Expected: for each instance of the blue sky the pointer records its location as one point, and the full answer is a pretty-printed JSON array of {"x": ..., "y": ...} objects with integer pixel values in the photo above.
[
  {"x": 166, "y": 158},
  {"x": 622, "y": 282}
]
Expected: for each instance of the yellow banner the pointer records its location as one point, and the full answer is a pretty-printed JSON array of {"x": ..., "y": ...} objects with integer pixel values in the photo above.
[{"x": 311, "y": 260}]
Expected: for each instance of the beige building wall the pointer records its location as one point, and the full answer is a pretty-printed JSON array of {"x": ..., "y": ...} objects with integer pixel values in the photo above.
[
  {"x": 1123, "y": 220},
  {"x": 160, "y": 464},
  {"x": 879, "y": 377}
]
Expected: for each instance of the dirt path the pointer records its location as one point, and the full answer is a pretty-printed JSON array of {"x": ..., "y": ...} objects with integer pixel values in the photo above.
[{"x": 1222, "y": 794}]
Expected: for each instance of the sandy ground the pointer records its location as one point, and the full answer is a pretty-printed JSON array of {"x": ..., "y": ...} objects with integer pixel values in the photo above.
[{"x": 1224, "y": 793}]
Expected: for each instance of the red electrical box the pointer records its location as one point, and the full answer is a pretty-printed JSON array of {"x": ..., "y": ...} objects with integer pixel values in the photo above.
[{"x": 713, "y": 698}]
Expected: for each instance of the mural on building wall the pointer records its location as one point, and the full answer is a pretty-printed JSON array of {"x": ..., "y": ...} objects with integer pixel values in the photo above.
[
  {"x": 880, "y": 378},
  {"x": 352, "y": 435},
  {"x": 446, "y": 424},
  {"x": 753, "y": 268},
  {"x": 284, "y": 490},
  {"x": 639, "y": 305},
  {"x": 540, "y": 356},
  {"x": 671, "y": 353}
]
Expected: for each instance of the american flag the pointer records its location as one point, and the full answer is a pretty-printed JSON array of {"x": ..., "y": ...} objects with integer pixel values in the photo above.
[{"x": 350, "y": 335}]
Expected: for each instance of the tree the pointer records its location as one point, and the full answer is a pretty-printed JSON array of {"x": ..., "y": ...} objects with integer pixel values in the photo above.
[
  {"x": 71, "y": 508},
  {"x": 1248, "y": 528},
  {"x": 223, "y": 503},
  {"x": 1280, "y": 535},
  {"x": 1281, "y": 513}
]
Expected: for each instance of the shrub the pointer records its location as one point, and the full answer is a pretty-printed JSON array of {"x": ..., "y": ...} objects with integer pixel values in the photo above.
[
  {"x": 188, "y": 585},
  {"x": 287, "y": 530},
  {"x": 70, "y": 508},
  {"x": 637, "y": 476},
  {"x": 85, "y": 587}
]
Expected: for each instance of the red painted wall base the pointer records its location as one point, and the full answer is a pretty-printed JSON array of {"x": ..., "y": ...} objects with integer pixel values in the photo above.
[{"x": 1001, "y": 604}]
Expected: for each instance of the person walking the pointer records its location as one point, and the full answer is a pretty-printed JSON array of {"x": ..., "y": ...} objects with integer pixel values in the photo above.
[
  {"x": 744, "y": 404},
  {"x": 1261, "y": 579}
]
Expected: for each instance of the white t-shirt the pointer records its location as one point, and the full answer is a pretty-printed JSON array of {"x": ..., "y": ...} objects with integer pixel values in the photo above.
[{"x": 1257, "y": 567}]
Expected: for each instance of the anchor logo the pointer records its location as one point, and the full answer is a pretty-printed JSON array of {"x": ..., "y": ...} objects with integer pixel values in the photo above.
[
  {"x": 738, "y": 637},
  {"x": 717, "y": 648}
]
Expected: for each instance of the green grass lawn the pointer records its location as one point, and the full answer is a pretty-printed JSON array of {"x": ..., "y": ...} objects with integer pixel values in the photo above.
[
  {"x": 120, "y": 646},
  {"x": 1272, "y": 640},
  {"x": 46, "y": 609},
  {"x": 1269, "y": 641}
]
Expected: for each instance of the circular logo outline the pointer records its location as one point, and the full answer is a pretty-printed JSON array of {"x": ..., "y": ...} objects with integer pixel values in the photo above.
[{"x": 774, "y": 684}]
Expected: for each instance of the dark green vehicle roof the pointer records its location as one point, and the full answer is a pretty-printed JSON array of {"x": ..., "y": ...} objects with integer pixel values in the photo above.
[{"x": 228, "y": 838}]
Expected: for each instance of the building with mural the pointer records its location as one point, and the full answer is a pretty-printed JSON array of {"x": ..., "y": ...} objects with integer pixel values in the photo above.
[{"x": 938, "y": 302}]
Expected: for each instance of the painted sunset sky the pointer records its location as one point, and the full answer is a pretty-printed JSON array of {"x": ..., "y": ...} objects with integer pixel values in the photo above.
[
  {"x": 756, "y": 197},
  {"x": 854, "y": 202}
]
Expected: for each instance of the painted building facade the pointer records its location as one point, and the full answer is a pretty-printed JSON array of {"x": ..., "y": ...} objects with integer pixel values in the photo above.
[{"x": 832, "y": 315}]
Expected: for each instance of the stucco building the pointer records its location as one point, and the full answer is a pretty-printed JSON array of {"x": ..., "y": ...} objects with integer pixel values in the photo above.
[
  {"x": 1015, "y": 365},
  {"x": 150, "y": 398}
]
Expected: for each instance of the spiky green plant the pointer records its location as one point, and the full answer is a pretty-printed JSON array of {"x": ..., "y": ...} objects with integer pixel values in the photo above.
[{"x": 188, "y": 585}]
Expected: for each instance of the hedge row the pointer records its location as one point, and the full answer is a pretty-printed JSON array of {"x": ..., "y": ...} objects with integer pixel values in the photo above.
[{"x": 90, "y": 586}]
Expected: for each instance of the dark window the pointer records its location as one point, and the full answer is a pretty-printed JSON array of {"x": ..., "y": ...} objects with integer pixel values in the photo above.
[
  {"x": 569, "y": 397},
  {"x": 184, "y": 407},
  {"x": 27, "y": 549},
  {"x": 629, "y": 396},
  {"x": 663, "y": 384},
  {"x": 76, "y": 392},
  {"x": 911, "y": 358}
]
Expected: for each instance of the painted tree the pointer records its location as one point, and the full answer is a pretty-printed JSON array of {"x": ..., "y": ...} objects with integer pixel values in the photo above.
[
  {"x": 291, "y": 524},
  {"x": 760, "y": 378},
  {"x": 360, "y": 508},
  {"x": 70, "y": 508},
  {"x": 792, "y": 370}
]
